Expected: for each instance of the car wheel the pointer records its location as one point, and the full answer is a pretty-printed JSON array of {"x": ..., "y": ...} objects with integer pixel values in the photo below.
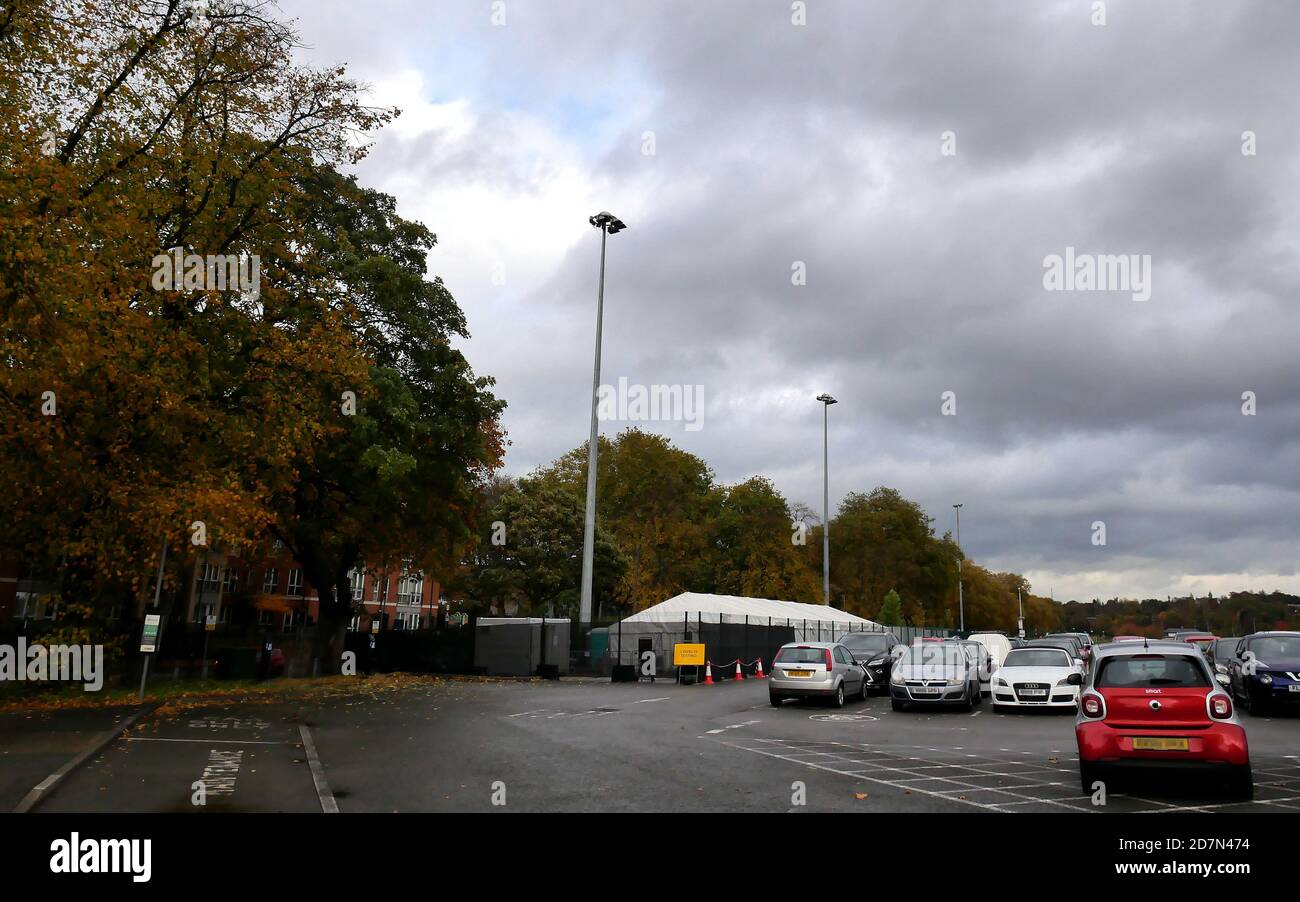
[
  {"x": 865, "y": 692},
  {"x": 897, "y": 705},
  {"x": 775, "y": 699},
  {"x": 1242, "y": 783},
  {"x": 838, "y": 699},
  {"x": 979, "y": 696},
  {"x": 967, "y": 704}
]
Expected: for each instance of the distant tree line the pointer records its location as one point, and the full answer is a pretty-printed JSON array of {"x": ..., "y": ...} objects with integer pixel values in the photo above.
[{"x": 665, "y": 525}]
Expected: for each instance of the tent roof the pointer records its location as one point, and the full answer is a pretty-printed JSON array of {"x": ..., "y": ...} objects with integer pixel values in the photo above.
[{"x": 694, "y": 603}]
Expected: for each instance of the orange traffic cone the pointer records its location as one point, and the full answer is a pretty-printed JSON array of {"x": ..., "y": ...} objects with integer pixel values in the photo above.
[
  {"x": 739, "y": 675},
  {"x": 759, "y": 675},
  {"x": 708, "y": 673}
]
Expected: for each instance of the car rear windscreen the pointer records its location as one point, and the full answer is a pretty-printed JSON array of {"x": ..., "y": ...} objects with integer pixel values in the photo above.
[
  {"x": 801, "y": 656},
  {"x": 1151, "y": 672},
  {"x": 1038, "y": 657},
  {"x": 876, "y": 642}
]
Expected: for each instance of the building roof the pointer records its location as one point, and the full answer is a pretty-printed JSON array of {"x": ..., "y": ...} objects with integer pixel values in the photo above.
[{"x": 736, "y": 607}]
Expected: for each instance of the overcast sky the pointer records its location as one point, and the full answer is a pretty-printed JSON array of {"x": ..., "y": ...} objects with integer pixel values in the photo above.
[{"x": 737, "y": 145}]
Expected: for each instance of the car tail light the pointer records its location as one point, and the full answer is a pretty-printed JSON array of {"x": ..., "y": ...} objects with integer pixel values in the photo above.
[
  {"x": 1220, "y": 707},
  {"x": 829, "y": 665},
  {"x": 1092, "y": 705}
]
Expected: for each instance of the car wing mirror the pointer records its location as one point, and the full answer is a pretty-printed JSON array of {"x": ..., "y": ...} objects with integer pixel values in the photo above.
[{"x": 1074, "y": 679}]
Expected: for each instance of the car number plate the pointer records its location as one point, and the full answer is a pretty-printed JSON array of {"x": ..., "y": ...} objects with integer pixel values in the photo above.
[
  {"x": 1294, "y": 687},
  {"x": 1033, "y": 692},
  {"x": 798, "y": 673},
  {"x": 924, "y": 690},
  {"x": 1160, "y": 744}
]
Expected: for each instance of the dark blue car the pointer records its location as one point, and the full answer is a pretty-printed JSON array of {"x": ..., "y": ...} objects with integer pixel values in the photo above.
[{"x": 1265, "y": 672}]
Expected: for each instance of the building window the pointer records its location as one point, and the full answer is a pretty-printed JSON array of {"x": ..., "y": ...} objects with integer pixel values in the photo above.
[
  {"x": 408, "y": 621},
  {"x": 355, "y": 623},
  {"x": 268, "y": 581},
  {"x": 295, "y": 581},
  {"x": 265, "y": 618},
  {"x": 230, "y": 581},
  {"x": 409, "y": 588},
  {"x": 209, "y": 578},
  {"x": 357, "y": 578}
]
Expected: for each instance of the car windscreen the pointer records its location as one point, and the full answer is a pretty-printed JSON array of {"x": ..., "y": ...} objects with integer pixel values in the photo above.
[
  {"x": 929, "y": 653},
  {"x": 1276, "y": 647},
  {"x": 874, "y": 643},
  {"x": 1037, "y": 657},
  {"x": 1224, "y": 648},
  {"x": 1150, "y": 672},
  {"x": 803, "y": 655}
]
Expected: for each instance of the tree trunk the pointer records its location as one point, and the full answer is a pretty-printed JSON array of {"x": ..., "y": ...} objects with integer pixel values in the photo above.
[{"x": 331, "y": 627}]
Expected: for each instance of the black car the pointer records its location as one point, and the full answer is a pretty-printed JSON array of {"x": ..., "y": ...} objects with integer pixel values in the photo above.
[
  {"x": 1085, "y": 642},
  {"x": 873, "y": 650},
  {"x": 1222, "y": 651},
  {"x": 1265, "y": 671},
  {"x": 1069, "y": 643}
]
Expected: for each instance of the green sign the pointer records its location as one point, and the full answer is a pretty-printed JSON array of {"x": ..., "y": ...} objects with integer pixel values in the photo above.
[{"x": 149, "y": 641}]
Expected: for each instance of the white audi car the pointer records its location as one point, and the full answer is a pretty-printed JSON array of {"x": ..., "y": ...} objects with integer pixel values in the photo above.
[{"x": 1037, "y": 678}]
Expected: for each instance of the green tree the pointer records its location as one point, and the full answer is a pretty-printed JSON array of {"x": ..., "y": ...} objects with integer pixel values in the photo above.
[
  {"x": 529, "y": 552},
  {"x": 891, "y": 611},
  {"x": 752, "y": 549}
]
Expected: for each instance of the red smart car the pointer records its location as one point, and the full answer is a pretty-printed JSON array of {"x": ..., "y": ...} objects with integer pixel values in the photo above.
[{"x": 1155, "y": 705}]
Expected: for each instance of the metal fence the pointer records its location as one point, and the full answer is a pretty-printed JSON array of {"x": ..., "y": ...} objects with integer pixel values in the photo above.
[{"x": 729, "y": 641}]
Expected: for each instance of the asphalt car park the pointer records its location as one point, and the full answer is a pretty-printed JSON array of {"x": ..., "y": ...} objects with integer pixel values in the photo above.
[{"x": 589, "y": 745}]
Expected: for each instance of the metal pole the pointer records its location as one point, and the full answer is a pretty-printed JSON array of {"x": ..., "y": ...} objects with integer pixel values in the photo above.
[
  {"x": 961, "y": 602},
  {"x": 203, "y": 585},
  {"x": 589, "y": 527},
  {"x": 157, "y": 594},
  {"x": 826, "y": 508}
]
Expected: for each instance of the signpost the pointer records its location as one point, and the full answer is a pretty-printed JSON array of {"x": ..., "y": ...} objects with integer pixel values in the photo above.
[
  {"x": 688, "y": 654},
  {"x": 149, "y": 641}
]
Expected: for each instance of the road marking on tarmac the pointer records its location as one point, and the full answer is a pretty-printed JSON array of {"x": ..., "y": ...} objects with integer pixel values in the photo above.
[
  {"x": 663, "y": 698},
  {"x": 221, "y": 772},
  {"x": 734, "y": 726},
  {"x": 327, "y": 801},
  {"x": 205, "y": 741}
]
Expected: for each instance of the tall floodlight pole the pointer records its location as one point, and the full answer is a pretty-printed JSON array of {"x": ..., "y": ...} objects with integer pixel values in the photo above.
[
  {"x": 961, "y": 602},
  {"x": 827, "y": 401},
  {"x": 609, "y": 224},
  {"x": 1020, "y": 601}
]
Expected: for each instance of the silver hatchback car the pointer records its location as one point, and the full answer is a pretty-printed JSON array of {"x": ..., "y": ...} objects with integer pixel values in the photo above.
[{"x": 816, "y": 669}]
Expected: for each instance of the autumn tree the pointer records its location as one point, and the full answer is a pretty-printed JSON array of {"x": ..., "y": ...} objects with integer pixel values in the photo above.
[
  {"x": 529, "y": 552},
  {"x": 656, "y": 501},
  {"x": 752, "y": 549}
]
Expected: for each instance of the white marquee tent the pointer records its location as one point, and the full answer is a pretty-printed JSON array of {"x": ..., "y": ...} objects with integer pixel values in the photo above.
[
  {"x": 747, "y": 632},
  {"x": 735, "y": 608}
]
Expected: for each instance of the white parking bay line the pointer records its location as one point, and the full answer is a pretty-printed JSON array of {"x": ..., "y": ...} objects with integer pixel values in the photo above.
[
  {"x": 526, "y": 713},
  {"x": 327, "y": 802},
  {"x": 734, "y": 726},
  {"x": 642, "y": 701},
  {"x": 205, "y": 741}
]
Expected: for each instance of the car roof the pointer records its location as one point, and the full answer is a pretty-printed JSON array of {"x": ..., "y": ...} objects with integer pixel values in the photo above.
[
  {"x": 1272, "y": 633},
  {"x": 1156, "y": 646},
  {"x": 809, "y": 645}
]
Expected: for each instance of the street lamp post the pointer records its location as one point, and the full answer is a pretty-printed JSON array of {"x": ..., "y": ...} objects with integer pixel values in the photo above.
[
  {"x": 609, "y": 224},
  {"x": 961, "y": 602},
  {"x": 827, "y": 401}
]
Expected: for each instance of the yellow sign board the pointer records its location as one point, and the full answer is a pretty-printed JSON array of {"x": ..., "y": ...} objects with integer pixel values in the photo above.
[{"x": 688, "y": 654}]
